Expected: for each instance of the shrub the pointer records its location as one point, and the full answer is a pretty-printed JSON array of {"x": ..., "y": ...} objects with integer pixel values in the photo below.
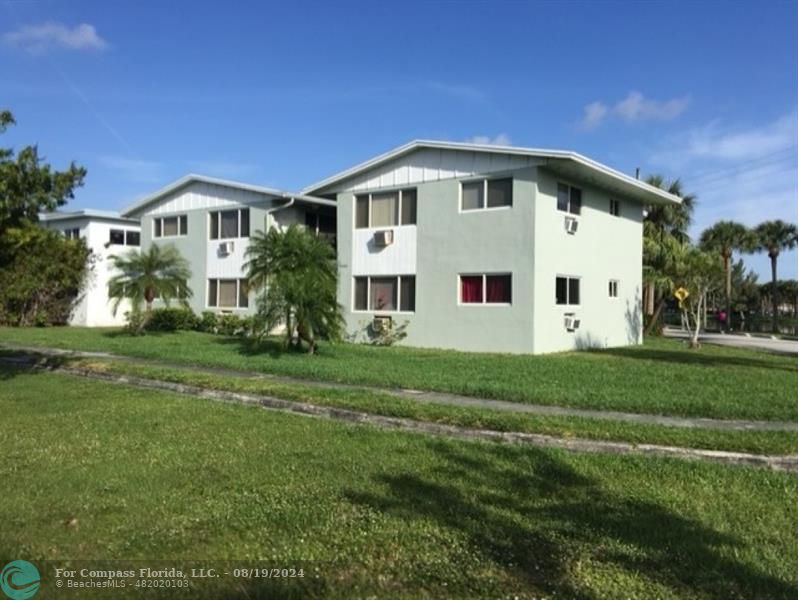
[
  {"x": 207, "y": 322},
  {"x": 171, "y": 319},
  {"x": 386, "y": 336},
  {"x": 229, "y": 324},
  {"x": 134, "y": 322}
]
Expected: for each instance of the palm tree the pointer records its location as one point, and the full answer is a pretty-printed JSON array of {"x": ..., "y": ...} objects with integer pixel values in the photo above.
[
  {"x": 663, "y": 226},
  {"x": 724, "y": 237},
  {"x": 142, "y": 276},
  {"x": 297, "y": 274},
  {"x": 773, "y": 237}
]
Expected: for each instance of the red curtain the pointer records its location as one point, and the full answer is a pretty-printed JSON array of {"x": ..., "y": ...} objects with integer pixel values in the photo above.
[
  {"x": 471, "y": 289},
  {"x": 498, "y": 288}
]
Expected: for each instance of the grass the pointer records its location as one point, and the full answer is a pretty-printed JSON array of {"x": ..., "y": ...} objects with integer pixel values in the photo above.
[
  {"x": 660, "y": 377},
  {"x": 101, "y": 471},
  {"x": 762, "y": 442}
]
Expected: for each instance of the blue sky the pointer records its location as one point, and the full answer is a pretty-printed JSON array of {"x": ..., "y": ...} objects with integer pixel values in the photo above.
[{"x": 285, "y": 94}]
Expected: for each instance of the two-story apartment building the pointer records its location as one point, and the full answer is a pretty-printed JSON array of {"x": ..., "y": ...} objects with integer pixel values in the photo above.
[
  {"x": 106, "y": 234},
  {"x": 210, "y": 221},
  {"x": 488, "y": 248}
]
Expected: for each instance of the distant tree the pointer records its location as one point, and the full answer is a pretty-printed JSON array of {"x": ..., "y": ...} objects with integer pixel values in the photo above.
[
  {"x": 296, "y": 275},
  {"x": 773, "y": 237},
  {"x": 142, "y": 276},
  {"x": 28, "y": 186},
  {"x": 724, "y": 238}
]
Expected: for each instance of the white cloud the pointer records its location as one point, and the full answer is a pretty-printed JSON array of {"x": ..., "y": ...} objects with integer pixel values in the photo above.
[
  {"x": 635, "y": 107},
  {"x": 38, "y": 39},
  {"x": 501, "y": 139},
  {"x": 132, "y": 169}
]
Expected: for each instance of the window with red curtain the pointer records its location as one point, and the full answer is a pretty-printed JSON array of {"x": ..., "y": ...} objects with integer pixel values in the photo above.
[
  {"x": 471, "y": 289},
  {"x": 498, "y": 289}
]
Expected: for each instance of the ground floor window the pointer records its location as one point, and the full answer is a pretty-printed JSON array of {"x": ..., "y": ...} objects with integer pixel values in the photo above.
[
  {"x": 486, "y": 288},
  {"x": 388, "y": 294},
  {"x": 567, "y": 289},
  {"x": 228, "y": 293}
]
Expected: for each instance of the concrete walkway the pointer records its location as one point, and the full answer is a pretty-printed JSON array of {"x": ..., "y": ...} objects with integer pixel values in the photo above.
[
  {"x": 29, "y": 354},
  {"x": 737, "y": 340}
]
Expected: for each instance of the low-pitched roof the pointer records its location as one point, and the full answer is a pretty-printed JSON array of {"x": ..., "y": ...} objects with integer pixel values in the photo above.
[
  {"x": 564, "y": 160},
  {"x": 88, "y": 213},
  {"x": 137, "y": 206}
]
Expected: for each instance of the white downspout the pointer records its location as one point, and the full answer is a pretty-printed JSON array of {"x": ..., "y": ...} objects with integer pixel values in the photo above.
[{"x": 274, "y": 209}]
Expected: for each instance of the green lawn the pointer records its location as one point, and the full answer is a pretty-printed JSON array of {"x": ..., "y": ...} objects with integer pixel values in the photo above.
[
  {"x": 761, "y": 442},
  {"x": 93, "y": 470},
  {"x": 660, "y": 377}
]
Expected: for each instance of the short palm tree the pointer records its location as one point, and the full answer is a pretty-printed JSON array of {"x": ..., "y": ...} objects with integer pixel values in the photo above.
[
  {"x": 142, "y": 276},
  {"x": 297, "y": 275},
  {"x": 724, "y": 237},
  {"x": 773, "y": 237}
]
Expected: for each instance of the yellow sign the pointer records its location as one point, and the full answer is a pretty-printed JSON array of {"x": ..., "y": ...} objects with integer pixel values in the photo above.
[{"x": 681, "y": 294}]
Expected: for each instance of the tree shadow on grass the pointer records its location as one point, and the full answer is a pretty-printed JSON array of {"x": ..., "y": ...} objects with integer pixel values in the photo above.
[
  {"x": 696, "y": 357},
  {"x": 539, "y": 520},
  {"x": 18, "y": 362}
]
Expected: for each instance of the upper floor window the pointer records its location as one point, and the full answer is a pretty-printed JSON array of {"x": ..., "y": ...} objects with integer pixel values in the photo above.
[
  {"x": 229, "y": 224},
  {"x": 170, "y": 226},
  {"x": 119, "y": 237},
  {"x": 613, "y": 288},
  {"x": 486, "y": 193},
  {"x": 386, "y": 209},
  {"x": 615, "y": 208},
  {"x": 569, "y": 199},
  {"x": 72, "y": 234},
  {"x": 567, "y": 290},
  {"x": 486, "y": 289}
]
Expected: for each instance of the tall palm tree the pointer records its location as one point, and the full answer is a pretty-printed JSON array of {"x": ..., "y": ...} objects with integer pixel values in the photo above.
[
  {"x": 297, "y": 274},
  {"x": 664, "y": 225},
  {"x": 142, "y": 276},
  {"x": 773, "y": 237},
  {"x": 724, "y": 237}
]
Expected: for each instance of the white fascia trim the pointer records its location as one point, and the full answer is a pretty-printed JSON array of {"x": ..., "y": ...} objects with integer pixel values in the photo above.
[
  {"x": 537, "y": 152},
  {"x": 194, "y": 178}
]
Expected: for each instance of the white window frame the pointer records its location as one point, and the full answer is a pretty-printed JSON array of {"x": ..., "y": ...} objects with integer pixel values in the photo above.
[
  {"x": 238, "y": 281},
  {"x": 484, "y": 289},
  {"x": 178, "y": 217},
  {"x": 485, "y": 181},
  {"x": 219, "y": 212},
  {"x": 610, "y": 284},
  {"x": 73, "y": 233},
  {"x": 371, "y": 212},
  {"x": 615, "y": 207},
  {"x": 567, "y": 289},
  {"x": 381, "y": 311},
  {"x": 568, "y": 211}
]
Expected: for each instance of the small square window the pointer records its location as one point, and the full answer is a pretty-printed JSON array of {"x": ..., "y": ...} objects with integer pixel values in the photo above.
[
  {"x": 498, "y": 289},
  {"x": 384, "y": 209},
  {"x": 471, "y": 289},
  {"x": 613, "y": 288},
  {"x": 117, "y": 237},
  {"x": 615, "y": 208},
  {"x": 569, "y": 199},
  {"x": 567, "y": 290},
  {"x": 170, "y": 226},
  {"x": 132, "y": 238},
  {"x": 383, "y": 293},
  {"x": 500, "y": 192},
  {"x": 473, "y": 195}
]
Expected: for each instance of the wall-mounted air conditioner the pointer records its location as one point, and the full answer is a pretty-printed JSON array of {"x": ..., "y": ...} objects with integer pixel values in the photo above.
[
  {"x": 383, "y": 238},
  {"x": 571, "y": 225},
  {"x": 226, "y": 248},
  {"x": 571, "y": 322},
  {"x": 381, "y": 324}
]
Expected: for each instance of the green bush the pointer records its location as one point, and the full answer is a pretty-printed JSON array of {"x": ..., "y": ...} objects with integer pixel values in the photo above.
[
  {"x": 134, "y": 322},
  {"x": 172, "y": 319},
  {"x": 207, "y": 322},
  {"x": 229, "y": 324}
]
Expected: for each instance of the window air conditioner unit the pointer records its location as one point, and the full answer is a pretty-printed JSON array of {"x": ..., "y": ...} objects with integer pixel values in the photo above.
[
  {"x": 571, "y": 225},
  {"x": 571, "y": 322},
  {"x": 383, "y": 238},
  {"x": 226, "y": 248},
  {"x": 381, "y": 324}
]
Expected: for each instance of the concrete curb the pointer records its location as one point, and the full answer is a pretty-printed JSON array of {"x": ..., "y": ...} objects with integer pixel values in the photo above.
[{"x": 778, "y": 463}]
